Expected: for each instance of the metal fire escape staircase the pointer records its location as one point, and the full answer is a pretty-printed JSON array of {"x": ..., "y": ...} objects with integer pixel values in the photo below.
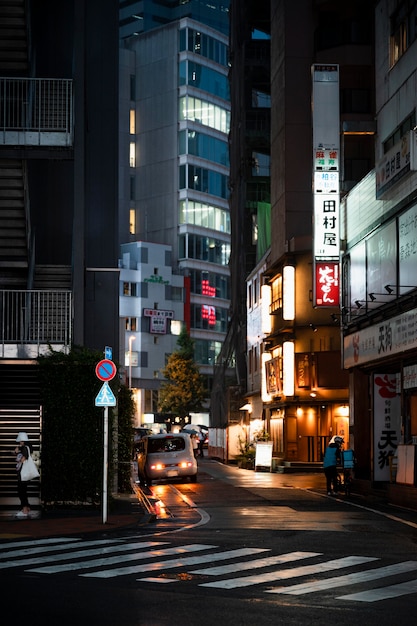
[{"x": 14, "y": 235}]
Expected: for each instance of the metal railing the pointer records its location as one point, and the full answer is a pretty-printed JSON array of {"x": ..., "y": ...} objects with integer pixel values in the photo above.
[
  {"x": 35, "y": 317},
  {"x": 36, "y": 111}
]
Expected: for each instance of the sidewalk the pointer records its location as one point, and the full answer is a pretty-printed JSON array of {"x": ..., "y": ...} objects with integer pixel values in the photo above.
[{"x": 127, "y": 511}]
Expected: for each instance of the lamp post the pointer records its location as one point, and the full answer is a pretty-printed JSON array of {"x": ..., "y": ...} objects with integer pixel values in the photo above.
[{"x": 131, "y": 340}]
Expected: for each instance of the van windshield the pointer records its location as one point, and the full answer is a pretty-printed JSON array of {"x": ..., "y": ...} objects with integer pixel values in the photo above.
[{"x": 168, "y": 444}]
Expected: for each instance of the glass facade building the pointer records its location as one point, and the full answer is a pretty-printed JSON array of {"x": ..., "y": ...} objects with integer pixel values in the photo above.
[{"x": 175, "y": 190}]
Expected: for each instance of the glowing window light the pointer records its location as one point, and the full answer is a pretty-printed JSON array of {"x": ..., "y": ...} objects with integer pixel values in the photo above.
[
  {"x": 288, "y": 368},
  {"x": 266, "y": 356},
  {"x": 288, "y": 309},
  {"x": 266, "y": 303}
]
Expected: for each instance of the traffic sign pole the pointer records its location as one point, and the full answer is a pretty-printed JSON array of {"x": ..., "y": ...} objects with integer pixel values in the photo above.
[
  {"x": 105, "y": 461},
  {"x": 105, "y": 371}
]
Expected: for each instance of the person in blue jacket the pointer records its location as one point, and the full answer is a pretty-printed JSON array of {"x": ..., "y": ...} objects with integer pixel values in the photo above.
[{"x": 332, "y": 458}]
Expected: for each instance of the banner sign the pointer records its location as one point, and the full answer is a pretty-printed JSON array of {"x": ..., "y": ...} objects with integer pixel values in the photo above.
[
  {"x": 387, "y": 422},
  {"x": 327, "y": 283}
]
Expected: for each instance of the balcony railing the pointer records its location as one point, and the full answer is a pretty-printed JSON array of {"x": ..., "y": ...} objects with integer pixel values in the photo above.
[
  {"x": 36, "y": 112},
  {"x": 31, "y": 321}
]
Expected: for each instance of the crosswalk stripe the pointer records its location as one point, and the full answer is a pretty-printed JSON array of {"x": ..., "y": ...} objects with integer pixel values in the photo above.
[
  {"x": 111, "y": 560},
  {"x": 170, "y": 564},
  {"x": 43, "y": 549},
  {"x": 383, "y": 593},
  {"x": 246, "y": 581},
  {"x": 36, "y": 542},
  {"x": 256, "y": 563},
  {"x": 65, "y": 554},
  {"x": 347, "y": 579},
  {"x": 107, "y": 550}
]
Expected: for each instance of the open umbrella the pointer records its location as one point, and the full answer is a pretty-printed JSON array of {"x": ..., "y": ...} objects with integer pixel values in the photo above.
[{"x": 192, "y": 429}]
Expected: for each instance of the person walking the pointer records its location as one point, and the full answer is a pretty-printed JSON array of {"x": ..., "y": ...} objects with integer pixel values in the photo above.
[
  {"x": 332, "y": 458},
  {"x": 194, "y": 439},
  {"x": 201, "y": 440},
  {"x": 22, "y": 452}
]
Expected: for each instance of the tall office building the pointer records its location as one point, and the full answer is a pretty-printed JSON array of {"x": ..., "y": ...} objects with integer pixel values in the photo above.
[
  {"x": 58, "y": 196},
  {"x": 174, "y": 163}
]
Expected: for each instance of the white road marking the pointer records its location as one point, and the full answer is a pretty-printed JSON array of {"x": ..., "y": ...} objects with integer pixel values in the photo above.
[
  {"x": 42, "y": 550},
  {"x": 36, "y": 542},
  {"x": 246, "y": 581},
  {"x": 348, "y": 579},
  {"x": 161, "y": 565},
  {"x": 256, "y": 563},
  {"x": 111, "y": 560},
  {"x": 383, "y": 593}
]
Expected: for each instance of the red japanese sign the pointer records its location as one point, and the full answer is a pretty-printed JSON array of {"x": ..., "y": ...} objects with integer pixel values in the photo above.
[{"x": 327, "y": 284}]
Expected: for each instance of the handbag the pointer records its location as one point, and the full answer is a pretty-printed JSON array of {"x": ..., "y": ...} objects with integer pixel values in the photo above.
[{"x": 29, "y": 470}]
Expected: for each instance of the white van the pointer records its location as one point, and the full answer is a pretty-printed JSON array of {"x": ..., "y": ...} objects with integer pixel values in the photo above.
[{"x": 166, "y": 456}]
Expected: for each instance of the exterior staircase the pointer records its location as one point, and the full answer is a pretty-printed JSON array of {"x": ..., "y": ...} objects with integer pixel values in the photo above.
[
  {"x": 57, "y": 277},
  {"x": 14, "y": 239},
  {"x": 14, "y": 58}
]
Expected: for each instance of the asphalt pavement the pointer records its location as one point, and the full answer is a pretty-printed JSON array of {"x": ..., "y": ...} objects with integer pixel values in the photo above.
[{"x": 170, "y": 511}]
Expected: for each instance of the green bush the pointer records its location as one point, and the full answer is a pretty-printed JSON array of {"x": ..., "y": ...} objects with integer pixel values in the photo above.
[{"x": 73, "y": 428}]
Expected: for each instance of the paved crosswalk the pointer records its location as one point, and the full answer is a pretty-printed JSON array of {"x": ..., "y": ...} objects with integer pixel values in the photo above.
[{"x": 212, "y": 567}]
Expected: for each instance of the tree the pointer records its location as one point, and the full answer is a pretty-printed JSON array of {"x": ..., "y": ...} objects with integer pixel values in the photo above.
[{"x": 183, "y": 391}]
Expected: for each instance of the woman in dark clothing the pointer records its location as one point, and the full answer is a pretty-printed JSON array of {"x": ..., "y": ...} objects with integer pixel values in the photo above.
[{"x": 22, "y": 452}]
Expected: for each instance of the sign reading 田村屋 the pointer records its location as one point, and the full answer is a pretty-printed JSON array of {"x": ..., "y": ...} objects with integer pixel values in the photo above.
[{"x": 325, "y": 175}]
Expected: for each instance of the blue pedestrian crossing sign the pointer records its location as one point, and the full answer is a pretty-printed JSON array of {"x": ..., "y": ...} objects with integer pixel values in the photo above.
[{"x": 105, "y": 396}]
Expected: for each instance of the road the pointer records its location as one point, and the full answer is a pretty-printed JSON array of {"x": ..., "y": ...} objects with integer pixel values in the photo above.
[{"x": 263, "y": 549}]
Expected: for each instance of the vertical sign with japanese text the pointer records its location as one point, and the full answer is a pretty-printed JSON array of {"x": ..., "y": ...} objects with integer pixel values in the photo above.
[
  {"x": 387, "y": 423},
  {"x": 325, "y": 175}
]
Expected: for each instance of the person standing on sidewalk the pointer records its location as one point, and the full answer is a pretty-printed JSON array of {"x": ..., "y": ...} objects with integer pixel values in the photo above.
[
  {"x": 332, "y": 458},
  {"x": 201, "y": 439},
  {"x": 22, "y": 452}
]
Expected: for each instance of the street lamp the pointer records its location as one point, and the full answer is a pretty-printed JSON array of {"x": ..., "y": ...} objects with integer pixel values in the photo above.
[{"x": 131, "y": 340}]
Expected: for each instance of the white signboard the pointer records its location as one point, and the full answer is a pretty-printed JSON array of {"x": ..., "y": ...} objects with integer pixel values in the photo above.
[
  {"x": 390, "y": 337},
  {"x": 407, "y": 248},
  {"x": 326, "y": 125},
  {"x": 326, "y": 182},
  {"x": 396, "y": 163},
  {"x": 410, "y": 377},
  {"x": 263, "y": 456},
  {"x": 387, "y": 422},
  {"x": 326, "y": 226}
]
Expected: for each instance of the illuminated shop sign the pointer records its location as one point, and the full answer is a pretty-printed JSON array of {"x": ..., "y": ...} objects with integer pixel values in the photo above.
[
  {"x": 158, "y": 320},
  {"x": 327, "y": 283},
  {"x": 273, "y": 381},
  {"x": 387, "y": 422},
  {"x": 326, "y": 160},
  {"x": 326, "y": 182},
  {"x": 209, "y": 313},
  {"x": 326, "y": 226},
  {"x": 325, "y": 176},
  {"x": 207, "y": 289}
]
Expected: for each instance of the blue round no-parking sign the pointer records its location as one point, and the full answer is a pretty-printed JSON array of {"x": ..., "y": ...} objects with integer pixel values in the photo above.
[{"x": 105, "y": 370}]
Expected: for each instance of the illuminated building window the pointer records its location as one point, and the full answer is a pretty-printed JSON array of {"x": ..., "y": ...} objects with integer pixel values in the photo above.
[
  {"x": 132, "y": 221},
  {"x": 276, "y": 295},
  {"x": 132, "y": 154},
  {"x": 288, "y": 283},
  {"x": 132, "y": 121},
  {"x": 131, "y": 323},
  {"x": 288, "y": 379}
]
